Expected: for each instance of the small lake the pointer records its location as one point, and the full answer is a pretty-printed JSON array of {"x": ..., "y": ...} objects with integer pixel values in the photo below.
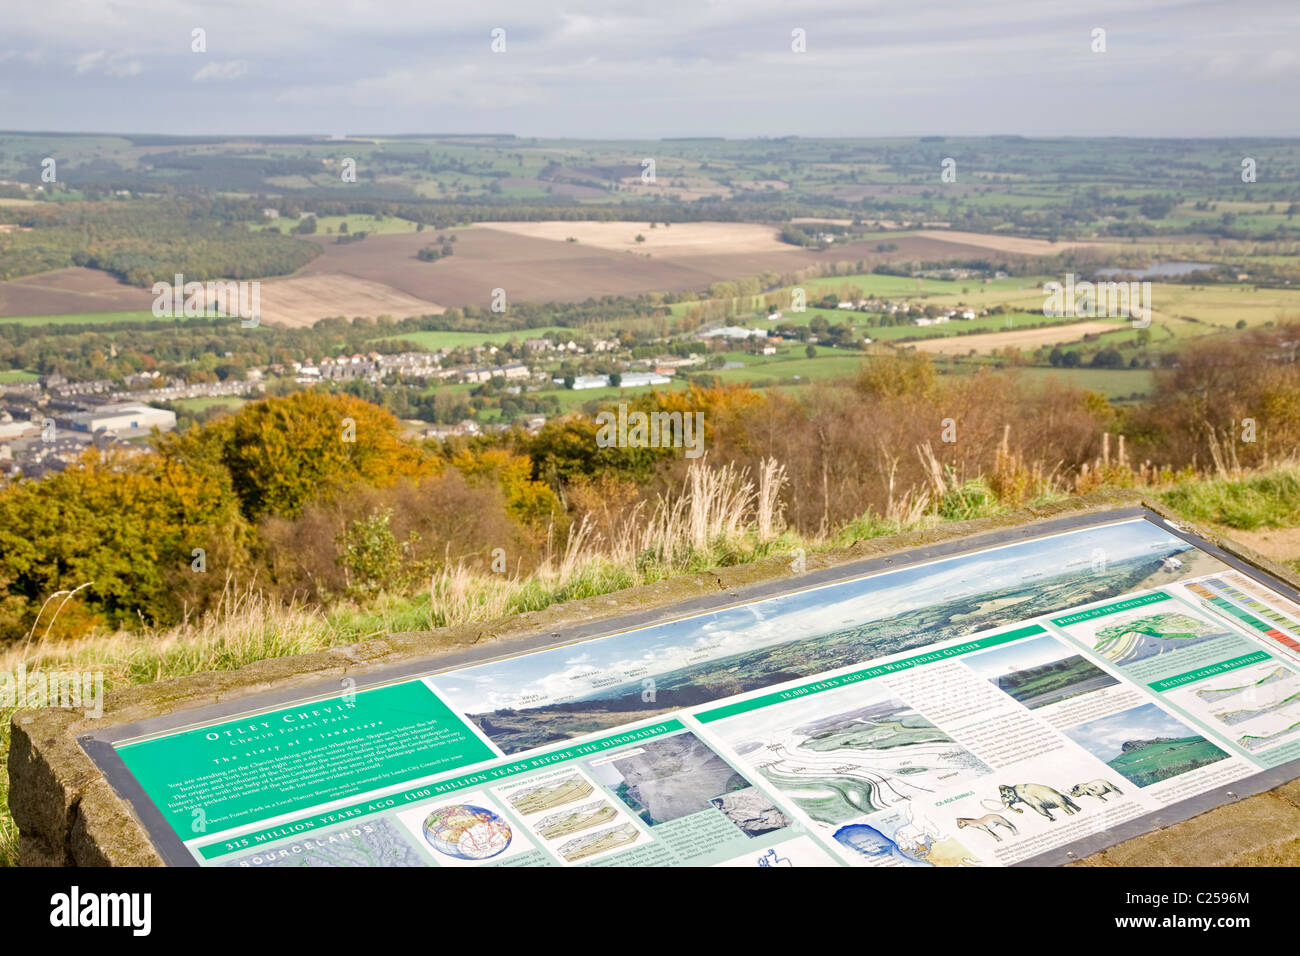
[{"x": 1160, "y": 270}]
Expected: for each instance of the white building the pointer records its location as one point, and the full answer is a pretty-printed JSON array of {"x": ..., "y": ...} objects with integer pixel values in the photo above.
[
  {"x": 125, "y": 419},
  {"x": 636, "y": 379},
  {"x": 589, "y": 381},
  {"x": 733, "y": 332}
]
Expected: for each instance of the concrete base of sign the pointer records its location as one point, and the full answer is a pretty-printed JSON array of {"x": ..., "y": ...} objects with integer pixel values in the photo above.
[
  {"x": 1263, "y": 830},
  {"x": 68, "y": 814}
]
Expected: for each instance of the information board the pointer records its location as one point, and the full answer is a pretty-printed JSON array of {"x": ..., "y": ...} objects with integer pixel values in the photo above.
[{"x": 986, "y": 707}]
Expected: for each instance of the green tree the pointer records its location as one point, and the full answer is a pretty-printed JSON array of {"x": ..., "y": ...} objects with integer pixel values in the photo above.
[
  {"x": 1108, "y": 357},
  {"x": 371, "y": 557}
]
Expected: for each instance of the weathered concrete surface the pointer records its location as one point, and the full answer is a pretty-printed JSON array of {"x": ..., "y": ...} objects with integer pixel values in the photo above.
[
  {"x": 67, "y": 814},
  {"x": 1259, "y": 831}
]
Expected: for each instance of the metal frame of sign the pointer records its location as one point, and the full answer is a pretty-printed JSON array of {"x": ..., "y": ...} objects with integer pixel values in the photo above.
[{"x": 100, "y": 745}]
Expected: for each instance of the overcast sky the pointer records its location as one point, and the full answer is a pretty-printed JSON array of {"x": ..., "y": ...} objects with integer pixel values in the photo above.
[{"x": 619, "y": 69}]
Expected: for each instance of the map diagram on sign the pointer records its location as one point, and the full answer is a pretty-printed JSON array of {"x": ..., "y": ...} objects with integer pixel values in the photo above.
[
  {"x": 1260, "y": 704},
  {"x": 838, "y": 764},
  {"x": 1153, "y": 634},
  {"x": 373, "y": 843}
]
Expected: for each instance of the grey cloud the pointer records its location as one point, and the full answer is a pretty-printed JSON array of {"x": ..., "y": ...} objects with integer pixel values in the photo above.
[{"x": 648, "y": 69}]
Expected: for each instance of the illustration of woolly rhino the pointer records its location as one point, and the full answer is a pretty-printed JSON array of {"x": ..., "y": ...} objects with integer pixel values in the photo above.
[{"x": 1095, "y": 788}]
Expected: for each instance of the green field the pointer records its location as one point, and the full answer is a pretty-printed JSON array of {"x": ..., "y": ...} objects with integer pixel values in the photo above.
[
  {"x": 974, "y": 291},
  {"x": 437, "y": 339},
  {"x": 326, "y": 225},
  {"x": 204, "y": 404},
  {"x": 1051, "y": 683},
  {"x": 789, "y": 365},
  {"x": 94, "y": 318},
  {"x": 1118, "y": 383},
  {"x": 1156, "y": 760},
  {"x": 1008, "y": 322},
  {"x": 17, "y": 375}
]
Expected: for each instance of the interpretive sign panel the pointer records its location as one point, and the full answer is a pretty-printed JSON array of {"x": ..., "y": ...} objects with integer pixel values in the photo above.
[{"x": 996, "y": 704}]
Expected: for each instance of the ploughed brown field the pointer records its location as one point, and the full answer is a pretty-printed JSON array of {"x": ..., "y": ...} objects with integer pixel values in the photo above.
[
  {"x": 544, "y": 267},
  {"x": 70, "y": 292},
  {"x": 531, "y": 261}
]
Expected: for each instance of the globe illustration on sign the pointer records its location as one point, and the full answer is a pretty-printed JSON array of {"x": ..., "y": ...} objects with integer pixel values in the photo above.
[{"x": 466, "y": 832}]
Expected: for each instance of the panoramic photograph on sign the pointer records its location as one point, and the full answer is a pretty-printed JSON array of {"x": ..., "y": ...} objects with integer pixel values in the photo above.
[{"x": 996, "y": 706}]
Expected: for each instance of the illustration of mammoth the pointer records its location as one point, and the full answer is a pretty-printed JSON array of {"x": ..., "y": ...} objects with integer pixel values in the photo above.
[
  {"x": 1037, "y": 796},
  {"x": 1095, "y": 788}
]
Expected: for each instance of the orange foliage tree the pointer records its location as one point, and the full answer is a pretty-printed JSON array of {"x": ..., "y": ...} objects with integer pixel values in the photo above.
[
  {"x": 284, "y": 452},
  {"x": 125, "y": 525}
]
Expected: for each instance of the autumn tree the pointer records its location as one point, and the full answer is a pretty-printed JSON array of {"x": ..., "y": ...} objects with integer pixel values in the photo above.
[
  {"x": 147, "y": 536},
  {"x": 283, "y": 452}
]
